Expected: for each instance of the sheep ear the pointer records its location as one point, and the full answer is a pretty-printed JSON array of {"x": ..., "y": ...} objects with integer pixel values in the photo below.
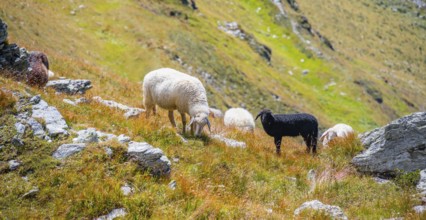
[{"x": 208, "y": 124}]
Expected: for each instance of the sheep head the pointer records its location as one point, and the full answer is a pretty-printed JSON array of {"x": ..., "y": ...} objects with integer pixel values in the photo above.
[
  {"x": 265, "y": 114},
  {"x": 200, "y": 120}
]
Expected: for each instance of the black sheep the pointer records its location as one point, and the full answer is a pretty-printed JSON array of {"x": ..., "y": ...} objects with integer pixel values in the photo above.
[
  {"x": 292, "y": 125},
  {"x": 38, "y": 74}
]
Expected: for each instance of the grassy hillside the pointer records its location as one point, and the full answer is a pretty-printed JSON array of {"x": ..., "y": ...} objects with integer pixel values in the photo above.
[{"x": 115, "y": 43}]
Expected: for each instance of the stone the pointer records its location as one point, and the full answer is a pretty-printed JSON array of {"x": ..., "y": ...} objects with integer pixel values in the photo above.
[
  {"x": 172, "y": 185},
  {"x": 67, "y": 150},
  {"x": 105, "y": 136},
  {"x": 109, "y": 151},
  {"x": 129, "y": 111},
  {"x": 55, "y": 123},
  {"x": 30, "y": 194},
  {"x": 20, "y": 128},
  {"x": 86, "y": 136},
  {"x": 421, "y": 186},
  {"x": 37, "y": 128},
  {"x": 334, "y": 211},
  {"x": 113, "y": 214},
  {"x": 229, "y": 142},
  {"x": 381, "y": 181},
  {"x": 419, "y": 209},
  {"x": 17, "y": 142},
  {"x": 3, "y": 32},
  {"x": 305, "y": 72},
  {"x": 149, "y": 158},
  {"x": 126, "y": 189},
  {"x": 14, "y": 164},
  {"x": 398, "y": 146},
  {"x": 15, "y": 59},
  {"x": 123, "y": 138},
  {"x": 70, "y": 87},
  {"x": 35, "y": 99},
  {"x": 133, "y": 112},
  {"x": 81, "y": 100},
  {"x": 69, "y": 102}
]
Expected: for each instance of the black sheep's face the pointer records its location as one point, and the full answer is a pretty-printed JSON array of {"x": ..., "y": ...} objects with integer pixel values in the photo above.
[{"x": 265, "y": 116}]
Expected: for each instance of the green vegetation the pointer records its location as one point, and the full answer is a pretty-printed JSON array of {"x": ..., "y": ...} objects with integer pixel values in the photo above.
[{"x": 115, "y": 43}]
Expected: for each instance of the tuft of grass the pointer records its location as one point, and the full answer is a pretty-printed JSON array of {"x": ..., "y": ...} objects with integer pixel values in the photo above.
[{"x": 7, "y": 102}]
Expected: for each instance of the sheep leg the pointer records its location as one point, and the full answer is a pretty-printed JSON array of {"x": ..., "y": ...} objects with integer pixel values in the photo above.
[
  {"x": 308, "y": 142},
  {"x": 172, "y": 118},
  {"x": 314, "y": 144},
  {"x": 183, "y": 122},
  {"x": 277, "y": 141}
]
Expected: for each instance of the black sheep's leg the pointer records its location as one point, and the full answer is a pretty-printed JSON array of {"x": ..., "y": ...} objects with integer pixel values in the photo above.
[
  {"x": 308, "y": 142},
  {"x": 314, "y": 144},
  {"x": 277, "y": 141}
]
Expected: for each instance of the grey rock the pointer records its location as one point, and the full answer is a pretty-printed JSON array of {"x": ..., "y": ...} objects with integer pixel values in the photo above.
[
  {"x": 123, "y": 138},
  {"x": 55, "y": 123},
  {"x": 149, "y": 158},
  {"x": 3, "y": 32},
  {"x": 421, "y": 186},
  {"x": 35, "y": 99},
  {"x": 305, "y": 72},
  {"x": 70, "y": 87},
  {"x": 81, "y": 100},
  {"x": 20, "y": 128},
  {"x": 105, "y": 136},
  {"x": 32, "y": 193},
  {"x": 229, "y": 142},
  {"x": 133, "y": 112},
  {"x": 67, "y": 150},
  {"x": 15, "y": 59},
  {"x": 400, "y": 145},
  {"x": 14, "y": 164},
  {"x": 1, "y": 147},
  {"x": 126, "y": 189},
  {"x": 109, "y": 151},
  {"x": 381, "y": 181},
  {"x": 334, "y": 211},
  {"x": 419, "y": 209},
  {"x": 129, "y": 111},
  {"x": 113, "y": 214},
  {"x": 17, "y": 142},
  {"x": 173, "y": 184},
  {"x": 86, "y": 136},
  {"x": 69, "y": 102},
  {"x": 37, "y": 128}
]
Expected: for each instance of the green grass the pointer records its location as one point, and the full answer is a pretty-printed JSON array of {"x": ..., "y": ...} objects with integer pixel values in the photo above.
[{"x": 115, "y": 43}]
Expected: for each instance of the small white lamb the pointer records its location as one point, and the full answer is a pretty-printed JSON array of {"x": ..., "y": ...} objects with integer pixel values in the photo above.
[
  {"x": 239, "y": 118},
  {"x": 173, "y": 90},
  {"x": 339, "y": 130}
]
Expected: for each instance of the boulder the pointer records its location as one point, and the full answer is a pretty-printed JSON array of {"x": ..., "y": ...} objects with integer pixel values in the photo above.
[
  {"x": 149, "y": 158},
  {"x": 70, "y": 87},
  {"x": 400, "y": 145},
  {"x": 67, "y": 150},
  {"x": 86, "y": 136},
  {"x": 334, "y": 211},
  {"x": 55, "y": 123},
  {"x": 3, "y": 32}
]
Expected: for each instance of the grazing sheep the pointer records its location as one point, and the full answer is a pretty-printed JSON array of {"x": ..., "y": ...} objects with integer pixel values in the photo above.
[
  {"x": 239, "y": 118},
  {"x": 173, "y": 90},
  {"x": 39, "y": 72},
  {"x": 292, "y": 125},
  {"x": 339, "y": 130}
]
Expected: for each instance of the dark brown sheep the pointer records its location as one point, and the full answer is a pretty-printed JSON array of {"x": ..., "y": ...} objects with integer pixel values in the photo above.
[{"x": 38, "y": 73}]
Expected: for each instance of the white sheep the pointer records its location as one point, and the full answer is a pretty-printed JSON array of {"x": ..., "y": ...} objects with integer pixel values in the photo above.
[
  {"x": 339, "y": 130},
  {"x": 173, "y": 90},
  {"x": 239, "y": 118}
]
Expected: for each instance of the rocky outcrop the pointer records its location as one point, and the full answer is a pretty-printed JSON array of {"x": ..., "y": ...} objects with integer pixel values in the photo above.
[
  {"x": 400, "y": 145},
  {"x": 233, "y": 29},
  {"x": 149, "y": 158},
  {"x": 67, "y": 150},
  {"x": 54, "y": 122},
  {"x": 70, "y": 87},
  {"x": 333, "y": 211},
  {"x": 130, "y": 112}
]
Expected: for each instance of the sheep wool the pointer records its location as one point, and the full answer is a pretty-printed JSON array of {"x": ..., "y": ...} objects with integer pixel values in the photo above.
[
  {"x": 38, "y": 73},
  {"x": 173, "y": 90},
  {"x": 239, "y": 118},
  {"x": 279, "y": 125},
  {"x": 339, "y": 131}
]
